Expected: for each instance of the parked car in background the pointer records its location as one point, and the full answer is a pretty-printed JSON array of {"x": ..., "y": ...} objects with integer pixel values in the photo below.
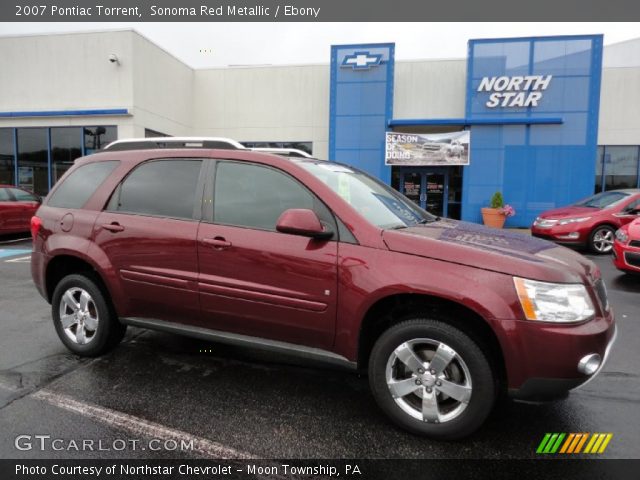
[
  {"x": 591, "y": 222},
  {"x": 626, "y": 248},
  {"x": 17, "y": 206},
  {"x": 322, "y": 260}
]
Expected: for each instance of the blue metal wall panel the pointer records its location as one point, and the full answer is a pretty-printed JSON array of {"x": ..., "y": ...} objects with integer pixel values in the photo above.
[
  {"x": 536, "y": 167},
  {"x": 361, "y": 105}
]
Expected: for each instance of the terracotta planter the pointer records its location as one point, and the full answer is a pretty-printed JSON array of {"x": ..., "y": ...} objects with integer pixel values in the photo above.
[{"x": 492, "y": 217}]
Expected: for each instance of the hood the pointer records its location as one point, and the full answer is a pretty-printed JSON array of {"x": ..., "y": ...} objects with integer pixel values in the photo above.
[
  {"x": 502, "y": 251},
  {"x": 571, "y": 211}
]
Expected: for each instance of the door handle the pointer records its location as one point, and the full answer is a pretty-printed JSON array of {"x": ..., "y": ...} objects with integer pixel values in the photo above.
[
  {"x": 219, "y": 243},
  {"x": 113, "y": 227}
]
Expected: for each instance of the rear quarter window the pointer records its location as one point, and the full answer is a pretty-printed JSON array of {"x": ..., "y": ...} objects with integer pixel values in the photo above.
[{"x": 78, "y": 187}]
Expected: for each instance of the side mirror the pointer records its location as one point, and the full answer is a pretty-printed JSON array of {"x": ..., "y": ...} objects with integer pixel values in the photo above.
[{"x": 304, "y": 222}]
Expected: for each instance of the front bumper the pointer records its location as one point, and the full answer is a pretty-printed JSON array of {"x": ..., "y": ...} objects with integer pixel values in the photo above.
[
  {"x": 546, "y": 389},
  {"x": 622, "y": 255},
  {"x": 564, "y": 234},
  {"x": 543, "y": 359}
]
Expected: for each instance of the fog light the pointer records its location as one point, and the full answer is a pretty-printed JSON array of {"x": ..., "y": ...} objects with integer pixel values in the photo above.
[
  {"x": 570, "y": 236},
  {"x": 589, "y": 364}
]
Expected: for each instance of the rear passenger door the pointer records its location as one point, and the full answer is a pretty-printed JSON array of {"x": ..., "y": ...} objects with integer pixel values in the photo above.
[
  {"x": 148, "y": 232},
  {"x": 255, "y": 280}
]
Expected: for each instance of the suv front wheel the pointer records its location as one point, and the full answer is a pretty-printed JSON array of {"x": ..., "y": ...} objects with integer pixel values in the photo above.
[
  {"x": 432, "y": 379},
  {"x": 82, "y": 317}
]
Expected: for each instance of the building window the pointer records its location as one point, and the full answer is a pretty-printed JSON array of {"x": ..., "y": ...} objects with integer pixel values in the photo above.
[
  {"x": 96, "y": 138},
  {"x": 7, "y": 158},
  {"x": 66, "y": 146},
  {"x": 304, "y": 146},
  {"x": 617, "y": 167},
  {"x": 33, "y": 159}
]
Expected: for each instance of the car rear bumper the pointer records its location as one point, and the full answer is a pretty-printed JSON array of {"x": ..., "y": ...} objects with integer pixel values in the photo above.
[
  {"x": 38, "y": 267},
  {"x": 551, "y": 358}
]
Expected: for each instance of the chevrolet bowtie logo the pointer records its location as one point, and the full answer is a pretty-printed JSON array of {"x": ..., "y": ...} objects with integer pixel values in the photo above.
[{"x": 362, "y": 60}]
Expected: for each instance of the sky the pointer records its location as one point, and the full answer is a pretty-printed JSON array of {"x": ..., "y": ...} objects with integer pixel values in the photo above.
[{"x": 216, "y": 44}]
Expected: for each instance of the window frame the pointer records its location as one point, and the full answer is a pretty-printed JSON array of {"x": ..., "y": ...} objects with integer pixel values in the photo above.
[
  {"x": 209, "y": 197},
  {"x": 197, "y": 212}
]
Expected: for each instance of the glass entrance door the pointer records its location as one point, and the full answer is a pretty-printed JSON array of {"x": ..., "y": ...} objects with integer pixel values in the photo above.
[{"x": 427, "y": 188}]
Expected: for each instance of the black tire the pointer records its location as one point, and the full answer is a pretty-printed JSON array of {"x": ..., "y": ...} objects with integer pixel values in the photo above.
[
  {"x": 594, "y": 243},
  {"x": 482, "y": 377},
  {"x": 108, "y": 332}
]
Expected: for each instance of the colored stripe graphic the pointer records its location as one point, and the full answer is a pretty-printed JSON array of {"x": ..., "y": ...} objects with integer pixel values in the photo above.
[{"x": 573, "y": 443}]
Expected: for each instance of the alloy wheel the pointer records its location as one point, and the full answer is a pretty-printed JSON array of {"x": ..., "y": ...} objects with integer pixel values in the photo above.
[
  {"x": 603, "y": 240},
  {"x": 429, "y": 380},
  {"x": 78, "y": 315}
]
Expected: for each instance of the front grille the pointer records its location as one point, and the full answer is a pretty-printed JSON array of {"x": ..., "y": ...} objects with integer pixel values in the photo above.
[
  {"x": 634, "y": 243},
  {"x": 601, "y": 291},
  {"x": 632, "y": 259}
]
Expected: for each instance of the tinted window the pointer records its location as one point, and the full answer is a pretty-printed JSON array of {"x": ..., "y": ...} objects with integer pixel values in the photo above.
[
  {"x": 33, "y": 163},
  {"x": 603, "y": 200},
  {"x": 22, "y": 196},
  {"x": 4, "y": 195},
  {"x": 255, "y": 196},
  {"x": 164, "y": 188},
  {"x": 96, "y": 138},
  {"x": 78, "y": 187},
  {"x": 7, "y": 161}
]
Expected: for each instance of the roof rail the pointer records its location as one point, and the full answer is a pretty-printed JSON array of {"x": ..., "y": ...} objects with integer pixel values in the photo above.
[
  {"x": 174, "y": 142},
  {"x": 285, "y": 152}
]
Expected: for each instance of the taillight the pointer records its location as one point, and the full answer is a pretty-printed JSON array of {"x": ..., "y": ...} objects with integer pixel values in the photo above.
[{"x": 36, "y": 223}]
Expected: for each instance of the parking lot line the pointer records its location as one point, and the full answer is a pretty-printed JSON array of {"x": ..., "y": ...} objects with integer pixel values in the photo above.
[
  {"x": 12, "y": 252},
  {"x": 139, "y": 426},
  {"x": 26, "y": 259}
]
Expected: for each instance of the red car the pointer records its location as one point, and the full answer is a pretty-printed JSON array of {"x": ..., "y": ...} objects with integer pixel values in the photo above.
[
  {"x": 318, "y": 259},
  {"x": 17, "y": 206},
  {"x": 626, "y": 248},
  {"x": 591, "y": 222}
]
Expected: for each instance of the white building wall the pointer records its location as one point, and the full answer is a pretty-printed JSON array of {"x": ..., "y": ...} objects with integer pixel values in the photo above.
[
  {"x": 65, "y": 72},
  {"x": 162, "y": 90},
  {"x": 285, "y": 103},
  {"x": 430, "y": 89},
  {"x": 619, "y": 122}
]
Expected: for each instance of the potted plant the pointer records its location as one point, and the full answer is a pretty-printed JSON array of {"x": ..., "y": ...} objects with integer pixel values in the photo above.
[{"x": 495, "y": 215}]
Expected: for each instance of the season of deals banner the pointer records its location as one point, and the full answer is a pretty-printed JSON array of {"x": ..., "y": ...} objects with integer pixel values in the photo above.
[{"x": 433, "y": 149}]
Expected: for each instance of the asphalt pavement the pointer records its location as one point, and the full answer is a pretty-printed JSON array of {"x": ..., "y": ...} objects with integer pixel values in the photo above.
[{"x": 230, "y": 402}]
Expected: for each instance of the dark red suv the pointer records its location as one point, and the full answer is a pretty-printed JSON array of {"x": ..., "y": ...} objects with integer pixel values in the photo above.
[{"x": 320, "y": 259}]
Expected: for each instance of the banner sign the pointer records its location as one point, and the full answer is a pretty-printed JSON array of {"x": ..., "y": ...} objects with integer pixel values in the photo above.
[{"x": 442, "y": 149}]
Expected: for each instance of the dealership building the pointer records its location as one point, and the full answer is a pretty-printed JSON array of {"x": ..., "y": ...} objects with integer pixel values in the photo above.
[{"x": 547, "y": 120}]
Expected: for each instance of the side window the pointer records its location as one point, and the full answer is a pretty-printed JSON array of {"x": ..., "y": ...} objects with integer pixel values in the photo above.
[
  {"x": 248, "y": 195},
  {"x": 4, "y": 195},
  {"x": 78, "y": 187},
  {"x": 22, "y": 196},
  {"x": 165, "y": 188},
  {"x": 633, "y": 205}
]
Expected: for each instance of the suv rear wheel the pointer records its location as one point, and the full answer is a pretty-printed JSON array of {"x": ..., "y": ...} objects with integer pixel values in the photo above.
[
  {"x": 82, "y": 317},
  {"x": 432, "y": 379}
]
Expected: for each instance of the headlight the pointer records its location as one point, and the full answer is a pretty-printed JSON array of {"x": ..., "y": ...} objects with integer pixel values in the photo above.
[
  {"x": 566, "y": 221},
  {"x": 622, "y": 236},
  {"x": 554, "y": 302}
]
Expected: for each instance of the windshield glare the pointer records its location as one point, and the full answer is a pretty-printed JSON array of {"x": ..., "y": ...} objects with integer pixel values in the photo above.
[
  {"x": 376, "y": 202},
  {"x": 602, "y": 200}
]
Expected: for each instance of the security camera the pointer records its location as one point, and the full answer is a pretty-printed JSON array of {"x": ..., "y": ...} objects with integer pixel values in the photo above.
[{"x": 113, "y": 58}]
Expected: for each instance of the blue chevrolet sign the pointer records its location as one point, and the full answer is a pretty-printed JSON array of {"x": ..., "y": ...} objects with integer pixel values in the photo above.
[{"x": 361, "y": 60}]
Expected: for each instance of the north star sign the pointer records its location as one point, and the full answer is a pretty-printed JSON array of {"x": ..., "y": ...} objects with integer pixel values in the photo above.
[{"x": 513, "y": 92}]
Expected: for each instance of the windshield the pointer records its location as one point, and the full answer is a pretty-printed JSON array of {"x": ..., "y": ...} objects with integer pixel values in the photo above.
[
  {"x": 602, "y": 200},
  {"x": 375, "y": 201}
]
